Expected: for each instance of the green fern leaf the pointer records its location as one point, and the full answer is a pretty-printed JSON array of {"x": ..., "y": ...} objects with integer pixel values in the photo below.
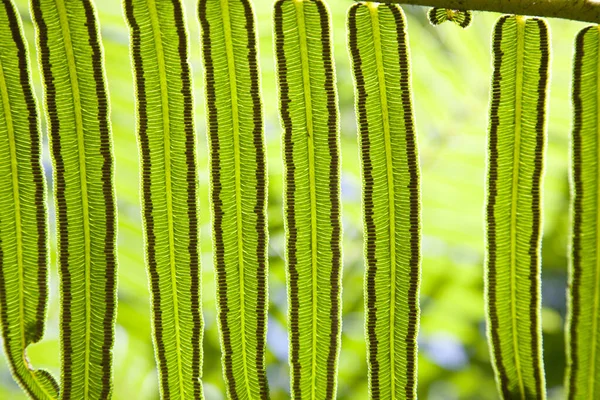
[
  {"x": 170, "y": 190},
  {"x": 391, "y": 196},
  {"x": 238, "y": 191},
  {"x": 312, "y": 194},
  {"x": 583, "y": 360},
  {"x": 23, "y": 216},
  {"x": 517, "y": 137},
  {"x": 439, "y": 15},
  {"x": 70, "y": 56}
]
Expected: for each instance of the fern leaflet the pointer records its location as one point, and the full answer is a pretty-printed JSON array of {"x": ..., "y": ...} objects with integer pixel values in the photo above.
[
  {"x": 312, "y": 194},
  {"x": 583, "y": 358},
  {"x": 517, "y": 135},
  {"x": 70, "y": 56},
  {"x": 170, "y": 190},
  {"x": 438, "y": 15},
  {"x": 238, "y": 190},
  {"x": 391, "y": 196},
  {"x": 23, "y": 216}
]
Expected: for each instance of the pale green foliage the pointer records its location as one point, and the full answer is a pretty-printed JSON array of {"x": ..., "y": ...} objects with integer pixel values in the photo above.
[{"x": 450, "y": 73}]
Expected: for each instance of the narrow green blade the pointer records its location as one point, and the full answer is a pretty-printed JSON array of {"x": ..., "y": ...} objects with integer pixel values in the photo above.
[
  {"x": 583, "y": 360},
  {"x": 70, "y": 56},
  {"x": 23, "y": 216},
  {"x": 517, "y": 136},
  {"x": 170, "y": 190},
  {"x": 309, "y": 115},
  {"x": 238, "y": 191},
  {"x": 391, "y": 196}
]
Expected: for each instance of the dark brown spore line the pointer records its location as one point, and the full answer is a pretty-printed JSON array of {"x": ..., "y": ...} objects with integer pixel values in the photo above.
[
  {"x": 432, "y": 16},
  {"x": 368, "y": 205},
  {"x": 36, "y": 169},
  {"x": 217, "y": 204},
  {"x": 192, "y": 210},
  {"x": 468, "y": 19},
  {"x": 59, "y": 193},
  {"x": 290, "y": 199},
  {"x": 147, "y": 204},
  {"x": 109, "y": 200},
  {"x": 577, "y": 211},
  {"x": 491, "y": 205},
  {"x": 334, "y": 200},
  {"x": 534, "y": 245},
  {"x": 414, "y": 201}
]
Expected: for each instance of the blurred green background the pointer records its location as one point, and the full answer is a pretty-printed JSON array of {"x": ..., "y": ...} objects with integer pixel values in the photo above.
[{"x": 451, "y": 74}]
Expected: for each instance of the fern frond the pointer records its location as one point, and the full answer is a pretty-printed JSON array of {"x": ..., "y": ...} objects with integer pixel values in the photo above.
[
  {"x": 70, "y": 56},
  {"x": 238, "y": 190},
  {"x": 312, "y": 193},
  {"x": 438, "y": 15},
  {"x": 517, "y": 136},
  {"x": 391, "y": 196},
  {"x": 169, "y": 189},
  {"x": 23, "y": 216},
  {"x": 583, "y": 360}
]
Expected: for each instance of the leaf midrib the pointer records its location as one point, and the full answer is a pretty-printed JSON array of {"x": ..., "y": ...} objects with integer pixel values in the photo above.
[
  {"x": 164, "y": 94},
  {"x": 227, "y": 32},
  {"x": 520, "y": 23},
  {"x": 373, "y": 9},
  {"x": 591, "y": 375},
  {"x": 72, "y": 67},
  {"x": 17, "y": 204},
  {"x": 312, "y": 181}
]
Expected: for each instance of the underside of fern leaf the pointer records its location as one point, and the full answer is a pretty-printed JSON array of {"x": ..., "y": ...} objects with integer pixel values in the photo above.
[
  {"x": 312, "y": 195},
  {"x": 170, "y": 190},
  {"x": 71, "y": 59},
  {"x": 23, "y": 217},
  {"x": 391, "y": 196},
  {"x": 583, "y": 358},
  {"x": 439, "y": 15},
  {"x": 238, "y": 190},
  {"x": 516, "y": 144}
]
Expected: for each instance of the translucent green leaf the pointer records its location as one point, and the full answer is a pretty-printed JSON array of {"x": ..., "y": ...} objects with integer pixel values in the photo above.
[
  {"x": 23, "y": 216},
  {"x": 391, "y": 196},
  {"x": 238, "y": 191},
  {"x": 309, "y": 115},
  {"x": 583, "y": 360},
  {"x": 169, "y": 183},
  {"x": 70, "y": 56},
  {"x": 517, "y": 136},
  {"x": 439, "y": 15}
]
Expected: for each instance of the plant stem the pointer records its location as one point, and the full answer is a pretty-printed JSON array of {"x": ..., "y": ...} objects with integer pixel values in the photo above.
[{"x": 578, "y": 10}]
